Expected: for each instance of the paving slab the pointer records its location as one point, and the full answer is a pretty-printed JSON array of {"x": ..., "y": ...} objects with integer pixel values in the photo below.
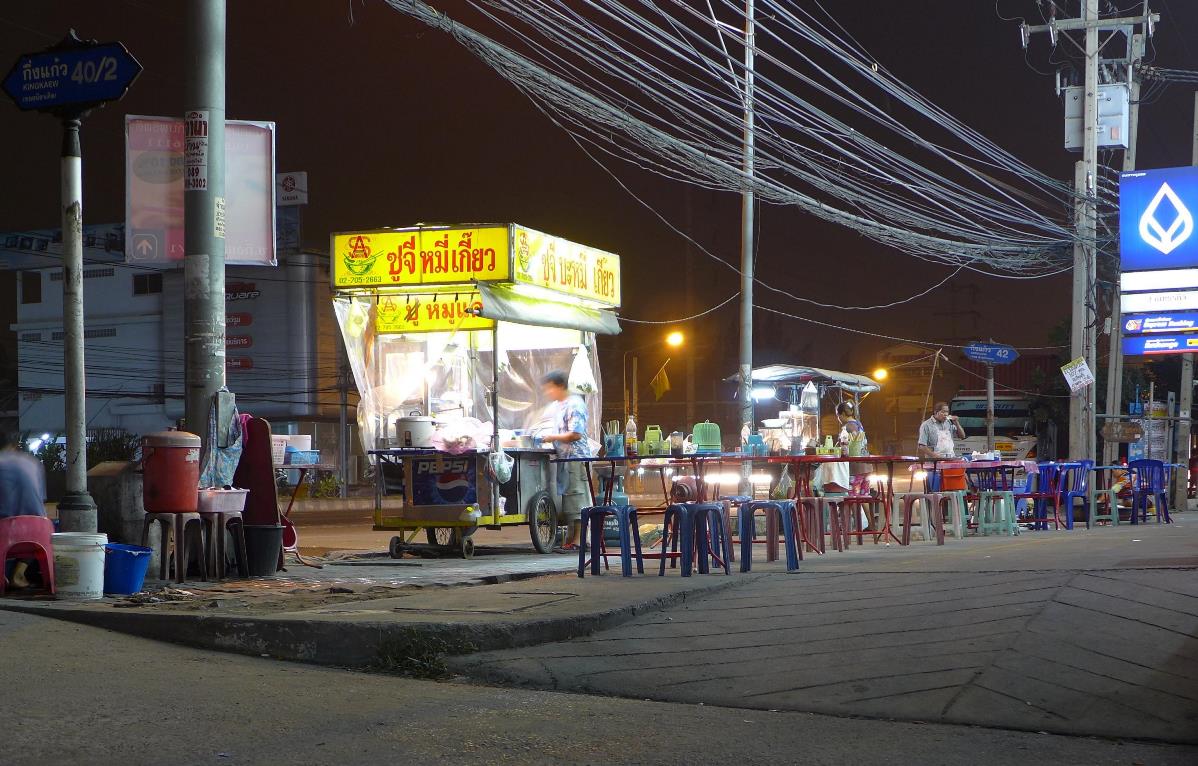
[{"x": 1085, "y": 632}]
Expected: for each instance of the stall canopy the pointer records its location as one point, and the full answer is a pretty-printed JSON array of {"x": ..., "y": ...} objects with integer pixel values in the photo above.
[
  {"x": 800, "y": 375},
  {"x": 434, "y": 316},
  {"x": 504, "y": 304}
]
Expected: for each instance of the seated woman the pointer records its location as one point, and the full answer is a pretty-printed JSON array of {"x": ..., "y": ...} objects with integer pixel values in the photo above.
[{"x": 22, "y": 493}]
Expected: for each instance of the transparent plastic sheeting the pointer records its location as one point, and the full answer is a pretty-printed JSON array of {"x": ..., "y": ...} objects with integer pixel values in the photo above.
[{"x": 446, "y": 374}]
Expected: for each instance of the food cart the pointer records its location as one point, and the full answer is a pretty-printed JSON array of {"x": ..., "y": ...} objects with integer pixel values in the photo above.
[
  {"x": 804, "y": 395},
  {"x": 448, "y": 331}
]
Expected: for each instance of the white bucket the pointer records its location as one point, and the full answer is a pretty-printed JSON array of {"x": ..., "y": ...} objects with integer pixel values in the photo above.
[{"x": 79, "y": 565}]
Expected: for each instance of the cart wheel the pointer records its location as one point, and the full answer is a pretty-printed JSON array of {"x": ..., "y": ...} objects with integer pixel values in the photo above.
[
  {"x": 468, "y": 547},
  {"x": 542, "y": 522},
  {"x": 440, "y": 536},
  {"x": 396, "y": 547}
]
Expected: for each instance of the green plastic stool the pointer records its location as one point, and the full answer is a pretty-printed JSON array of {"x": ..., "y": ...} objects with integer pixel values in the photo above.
[
  {"x": 958, "y": 523},
  {"x": 996, "y": 513},
  {"x": 1112, "y": 505}
]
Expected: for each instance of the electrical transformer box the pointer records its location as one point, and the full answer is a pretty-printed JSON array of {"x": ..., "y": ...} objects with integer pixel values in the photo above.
[{"x": 1112, "y": 116}]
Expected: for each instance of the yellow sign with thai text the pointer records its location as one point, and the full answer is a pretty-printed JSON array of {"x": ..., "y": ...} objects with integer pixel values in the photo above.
[
  {"x": 436, "y": 312},
  {"x": 565, "y": 267},
  {"x": 391, "y": 258}
]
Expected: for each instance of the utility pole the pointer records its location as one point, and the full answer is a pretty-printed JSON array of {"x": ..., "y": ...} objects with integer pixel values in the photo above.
[
  {"x": 690, "y": 304},
  {"x": 203, "y": 209},
  {"x": 343, "y": 421},
  {"x": 76, "y": 510},
  {"x": 1114, "y": 379},
  {"x": 745, "y": 394},
  {"x": 1082, "y": 431},
  {"x": 1185, "y": 401}
]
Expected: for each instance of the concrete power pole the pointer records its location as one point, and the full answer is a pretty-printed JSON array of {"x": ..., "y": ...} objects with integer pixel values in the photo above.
[
  {"x": 747, "y": 250},
  {"x": 1083, "y": 337},
  {"x": 1084, "y": 332},
  {"x": 1114, "y": 380},
  {"x": 204, "y": 210},
  {"x": 76, "y": 510}
]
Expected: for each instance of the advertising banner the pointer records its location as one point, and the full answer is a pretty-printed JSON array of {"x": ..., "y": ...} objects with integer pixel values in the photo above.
[
  {"x": 157, "y": 171},
  {"x": 1181, "y": 321},
  {"x": 566, "y": 267},
  {"x": 1147, "y": 345},
  {"x": 395, "y": 258},
  {"x": 438, "y": 312},
  {"x": 1156, "y": 219}
]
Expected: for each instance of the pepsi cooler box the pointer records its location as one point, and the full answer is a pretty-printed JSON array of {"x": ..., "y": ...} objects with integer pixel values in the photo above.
[{"x": 450, "y": 480}]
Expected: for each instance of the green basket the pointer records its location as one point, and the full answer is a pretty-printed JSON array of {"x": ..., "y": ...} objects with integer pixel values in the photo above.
[{"x": 706, "y": 437}]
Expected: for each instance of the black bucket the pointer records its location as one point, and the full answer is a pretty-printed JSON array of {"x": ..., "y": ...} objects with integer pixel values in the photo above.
[{"x": 263, "y": 544}]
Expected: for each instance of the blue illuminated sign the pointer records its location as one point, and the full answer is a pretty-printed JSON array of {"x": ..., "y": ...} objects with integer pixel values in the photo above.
[
  {"x": 1156, "y": 218},
  {"x": 1181, "y": 321},
  {"x": 1147, "y": 345}
]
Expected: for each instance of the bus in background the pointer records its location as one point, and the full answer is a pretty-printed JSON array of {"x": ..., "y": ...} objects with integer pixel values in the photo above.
[{"x": 1014, "y": 434}]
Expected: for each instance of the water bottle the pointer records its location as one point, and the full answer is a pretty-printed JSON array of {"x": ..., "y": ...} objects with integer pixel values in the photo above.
[{"x": 630, "y": 437}]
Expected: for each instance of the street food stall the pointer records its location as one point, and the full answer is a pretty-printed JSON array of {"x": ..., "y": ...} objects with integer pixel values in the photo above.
[
  {"x": 801, "y": 397},
  {"x": 448, "y": 331}
]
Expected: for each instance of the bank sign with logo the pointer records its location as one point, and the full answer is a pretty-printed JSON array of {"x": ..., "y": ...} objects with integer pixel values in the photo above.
[{"x": 1156, "y": 219}]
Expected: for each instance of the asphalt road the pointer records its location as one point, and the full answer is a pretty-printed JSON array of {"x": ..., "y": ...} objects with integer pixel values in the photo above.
[{"x": 81, "y": 695}]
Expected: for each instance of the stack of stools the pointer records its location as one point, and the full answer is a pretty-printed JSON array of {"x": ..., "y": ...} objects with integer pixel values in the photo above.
[
  {"x": 932, "y": 508},
  {"x": 845, "y": 516},
  {"x": 183, "y": 537},
  {"x": 216, "y": 525},
  {"x": 784, "y": 511},
  {"x": 813, "y": 523},
  {"x": 693, "y": 533},
  {"x": 630, "y": 536},
  {"x": 171, "y": 478}
]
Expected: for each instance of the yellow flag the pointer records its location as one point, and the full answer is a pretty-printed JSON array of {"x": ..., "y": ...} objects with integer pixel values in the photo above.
[{"x": 660, "y": 383}]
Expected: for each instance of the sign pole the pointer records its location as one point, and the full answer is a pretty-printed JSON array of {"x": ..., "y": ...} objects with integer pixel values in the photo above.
[
  {"x": 68, "y": 80},
  {"x": 77, "y": 510},
  {"x": 204, "y": 211},
  {"x": 989, "y": 407}
]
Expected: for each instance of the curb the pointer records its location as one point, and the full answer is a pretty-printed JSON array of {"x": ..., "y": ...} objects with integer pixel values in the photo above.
[{"x": 360, "y": 645}]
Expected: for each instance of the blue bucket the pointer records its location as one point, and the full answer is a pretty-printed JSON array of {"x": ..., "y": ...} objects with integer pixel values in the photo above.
[{"x": 125, "y": 568}]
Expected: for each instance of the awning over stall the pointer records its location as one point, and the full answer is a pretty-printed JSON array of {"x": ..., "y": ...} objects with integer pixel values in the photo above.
[{"x": 504, "y": 304}]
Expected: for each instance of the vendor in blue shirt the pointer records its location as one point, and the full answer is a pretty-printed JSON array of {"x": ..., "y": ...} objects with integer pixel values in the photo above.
[{"x": 569, "y": 441}]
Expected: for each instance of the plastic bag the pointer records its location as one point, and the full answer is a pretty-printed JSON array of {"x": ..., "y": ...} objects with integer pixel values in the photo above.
[
  {"x": 501, "y": 465},
  {"x": 582, "y": 378},
  {"x": 784, "y": 487}
]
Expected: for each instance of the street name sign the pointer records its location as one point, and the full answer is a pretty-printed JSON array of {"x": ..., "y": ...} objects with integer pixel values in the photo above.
[
  {"x": 991, "y": 353},
  {"x": 72, "y": 75}
]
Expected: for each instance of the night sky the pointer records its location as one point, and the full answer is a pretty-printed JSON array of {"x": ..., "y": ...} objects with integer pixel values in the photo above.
[{"x": 396, "y": 123}]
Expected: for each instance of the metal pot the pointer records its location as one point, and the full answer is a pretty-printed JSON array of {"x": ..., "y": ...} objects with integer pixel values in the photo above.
[{"x": 414, "y": 431}]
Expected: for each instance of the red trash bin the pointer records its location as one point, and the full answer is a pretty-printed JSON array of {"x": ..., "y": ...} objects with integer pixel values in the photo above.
[{"x": 171, "y": 466}]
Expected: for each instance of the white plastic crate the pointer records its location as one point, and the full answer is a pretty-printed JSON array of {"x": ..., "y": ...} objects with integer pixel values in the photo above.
[{"x": 222, "y": 500}]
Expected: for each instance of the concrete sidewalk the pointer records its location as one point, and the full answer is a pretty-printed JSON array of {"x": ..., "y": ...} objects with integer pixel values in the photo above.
[
  {"x": 1083, "y": 632},
  {"x": 400, "y": 629}
]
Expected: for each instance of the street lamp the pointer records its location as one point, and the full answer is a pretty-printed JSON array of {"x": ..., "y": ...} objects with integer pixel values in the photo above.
[
  {"x": 881, "y": 374},
  {"x": 674, "y": 339}
]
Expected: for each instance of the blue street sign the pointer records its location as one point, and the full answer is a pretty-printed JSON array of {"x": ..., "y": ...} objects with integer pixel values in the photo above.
[
  {"x": 1147, "y": 345},
  {"x": 1156, "y": 219},
  {"x": 1181, "y": 321},
  {"x": 71, "y": 76},
  {"x": 991, "y": 353}
]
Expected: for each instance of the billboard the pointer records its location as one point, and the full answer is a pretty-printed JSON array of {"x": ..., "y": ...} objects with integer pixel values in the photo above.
[
  {"x": 154, "y": 169},
  {"x": 1156, "y": 218},
  {"x": 1181, "y": 321}
]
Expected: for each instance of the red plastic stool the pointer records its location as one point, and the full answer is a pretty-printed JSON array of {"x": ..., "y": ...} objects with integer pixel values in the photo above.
[{"x": 27, "y": 537}]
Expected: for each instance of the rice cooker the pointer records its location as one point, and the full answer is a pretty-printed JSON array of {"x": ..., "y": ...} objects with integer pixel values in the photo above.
[{"x": 414, "y": 431}]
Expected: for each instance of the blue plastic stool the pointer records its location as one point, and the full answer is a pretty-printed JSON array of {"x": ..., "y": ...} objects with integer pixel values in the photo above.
[
  {"x": 630, "y": 535},
  {"x": 711, "y": 528},
  {"x": 691, "y": 525},
  {"x": 784, "y": 510}
]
